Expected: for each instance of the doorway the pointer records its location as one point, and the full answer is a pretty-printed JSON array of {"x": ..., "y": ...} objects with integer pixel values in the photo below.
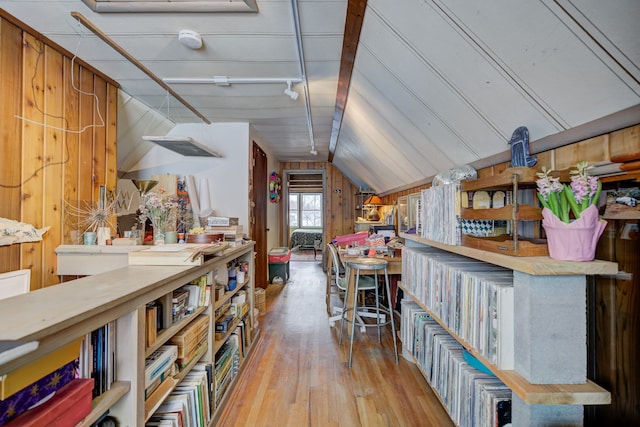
[
  {"x": 258, "y": 213},
  {"x": 304, "y": 217}
]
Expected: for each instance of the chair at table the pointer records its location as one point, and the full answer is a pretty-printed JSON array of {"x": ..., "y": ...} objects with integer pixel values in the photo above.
[
  {"x": 337, "y": 275},
  {"x": 332, "y": 286}
]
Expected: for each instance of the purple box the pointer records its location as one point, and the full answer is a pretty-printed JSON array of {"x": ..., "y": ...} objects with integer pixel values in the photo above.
[{"x": 19, "y": 402}]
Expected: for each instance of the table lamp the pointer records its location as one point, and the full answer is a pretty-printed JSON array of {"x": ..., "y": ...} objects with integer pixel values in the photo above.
[{"x": 373, "y": 201}]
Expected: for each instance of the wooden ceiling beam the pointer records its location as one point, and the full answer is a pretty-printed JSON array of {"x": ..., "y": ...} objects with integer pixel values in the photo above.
[
  {"x": 115, "y": 46},
  {"x": 352, "y": 28}
]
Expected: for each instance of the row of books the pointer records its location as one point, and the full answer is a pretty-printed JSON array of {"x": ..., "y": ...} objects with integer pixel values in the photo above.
[
  {"x": 475, "y": 300},
  {"x": 187, "y": 298},
  {"x": 184, "y": 301},
  {"x": 97, "y": 358},
  {"x": 227, "y": 364},
  {"x": 472, "y": 397},
  {"x": 189, "y": 404},
  {"x": 200, "y": 290}
]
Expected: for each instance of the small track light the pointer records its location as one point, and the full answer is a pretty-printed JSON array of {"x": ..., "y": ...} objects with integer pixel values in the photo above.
[{"x": 291, "y": 93}]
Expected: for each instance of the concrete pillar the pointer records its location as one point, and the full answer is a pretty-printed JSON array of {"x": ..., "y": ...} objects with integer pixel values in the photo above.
[
  {"x": 525, "y": 415},
  {"x": 550, "y": 328}
]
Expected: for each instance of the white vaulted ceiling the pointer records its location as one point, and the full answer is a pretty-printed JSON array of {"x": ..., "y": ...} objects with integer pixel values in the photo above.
[{"x": 434, "y": 84}]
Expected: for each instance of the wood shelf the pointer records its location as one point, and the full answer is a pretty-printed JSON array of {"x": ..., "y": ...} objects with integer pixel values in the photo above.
[
  {"x": 165, "y": 334},
  {"x": 504, "y": 244},
  {"x": 535, "y": 266},
  {"x": 184, "y": 371},
  {"x": 217, "y": 344},
  {"x": 156, "y": 398},
  {"x": 513, "y": 181},
  {"x": 542, "y": 394},
  {"x": 231, "y": 390},
  {"x": 72, "y": 309},
  {"x": 102, "y": 403},
  {"x": 229, "y": 294},
  {"x": 524, "y": 175},
  {"x": 506, "y": 213}
]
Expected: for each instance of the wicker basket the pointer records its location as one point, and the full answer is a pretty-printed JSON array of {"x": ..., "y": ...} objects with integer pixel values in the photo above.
[{"x": 260, "y": 300}]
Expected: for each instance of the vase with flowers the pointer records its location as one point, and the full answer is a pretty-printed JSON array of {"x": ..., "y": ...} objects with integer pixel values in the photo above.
[
  {"x": 570, "y": 215},
  {"x": 162, "y": 210}
]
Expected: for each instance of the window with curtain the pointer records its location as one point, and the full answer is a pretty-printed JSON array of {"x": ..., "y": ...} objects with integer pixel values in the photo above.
[{"x": 305, "y": 210}]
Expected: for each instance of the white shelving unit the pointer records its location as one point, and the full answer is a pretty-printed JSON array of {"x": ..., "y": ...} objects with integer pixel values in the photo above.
[{"x": 57, "y": 315}]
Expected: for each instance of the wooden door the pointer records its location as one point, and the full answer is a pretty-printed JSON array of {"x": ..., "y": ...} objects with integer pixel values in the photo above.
[{"x": 258, "y": 213}]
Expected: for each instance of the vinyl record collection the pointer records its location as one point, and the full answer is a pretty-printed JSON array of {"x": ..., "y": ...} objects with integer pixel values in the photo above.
[
  {"x": 472, "y": 299},
  {"x": 471, "y": 397},
  {"x": 438, "y": 214}
]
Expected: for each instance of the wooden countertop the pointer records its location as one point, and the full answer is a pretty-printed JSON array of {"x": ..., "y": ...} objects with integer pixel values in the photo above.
[
  {"x": 58, "y": 314},
  {"x": 536, "y": 266}
]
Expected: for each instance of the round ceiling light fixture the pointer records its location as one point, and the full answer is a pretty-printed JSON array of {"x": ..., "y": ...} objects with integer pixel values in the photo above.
[{"x": 190, "y": 39}]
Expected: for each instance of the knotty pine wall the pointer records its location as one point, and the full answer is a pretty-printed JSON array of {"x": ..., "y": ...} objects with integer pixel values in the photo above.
[
  {"x": 60, "y": 150},
  {"x": 340, "y": 209}
]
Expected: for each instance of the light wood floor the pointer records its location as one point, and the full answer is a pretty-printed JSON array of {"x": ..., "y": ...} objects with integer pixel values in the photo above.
[{"x": 299, "y": 375}]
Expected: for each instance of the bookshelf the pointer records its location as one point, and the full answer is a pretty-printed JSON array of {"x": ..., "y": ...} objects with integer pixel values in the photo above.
[
  {"x": 63, "y": 313},
  {"x": 510, "y": 208},
  {"x": 548, "y": 382}
]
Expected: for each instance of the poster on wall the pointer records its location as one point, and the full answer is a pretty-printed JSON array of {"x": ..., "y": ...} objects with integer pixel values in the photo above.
[{"x": 275, "y": 187}]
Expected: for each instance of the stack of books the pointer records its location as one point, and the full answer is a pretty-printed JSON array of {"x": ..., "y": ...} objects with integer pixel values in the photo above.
[
  {"x": 215, "y": 221},
  {"x": 232, "y": 233},
  {"x": 179, "y": 303},
  {"x": 158, "y": 366},
  {"x": 191, "y": 340}
]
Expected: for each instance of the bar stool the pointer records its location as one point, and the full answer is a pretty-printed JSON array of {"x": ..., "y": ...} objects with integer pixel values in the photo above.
[{"x": 368, "y": 264}]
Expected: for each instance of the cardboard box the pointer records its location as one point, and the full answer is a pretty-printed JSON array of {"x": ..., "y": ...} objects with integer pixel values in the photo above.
[
  {"x": 21, "y": 401},
  {"x": 31, "y": 372},
  {"x": 68, "y": 406}
]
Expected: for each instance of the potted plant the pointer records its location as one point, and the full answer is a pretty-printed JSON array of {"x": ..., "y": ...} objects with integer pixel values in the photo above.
[
  {"x": 571, "y": 238},
  {"x": 162, "y": 211}
]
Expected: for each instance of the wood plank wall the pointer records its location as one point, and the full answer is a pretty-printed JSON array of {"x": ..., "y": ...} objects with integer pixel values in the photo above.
[
  {"x": 56, "y": 144},
  {"x": 339, "y": 198},
  {"x": 621, "y": 146}
]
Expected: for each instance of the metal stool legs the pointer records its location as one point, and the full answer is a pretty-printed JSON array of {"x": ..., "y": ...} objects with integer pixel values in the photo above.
[{"x": 380, "y": 312}]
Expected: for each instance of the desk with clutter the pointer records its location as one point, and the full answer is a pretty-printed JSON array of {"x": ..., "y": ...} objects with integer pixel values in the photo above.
[{"x": 383, "y": 245}]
